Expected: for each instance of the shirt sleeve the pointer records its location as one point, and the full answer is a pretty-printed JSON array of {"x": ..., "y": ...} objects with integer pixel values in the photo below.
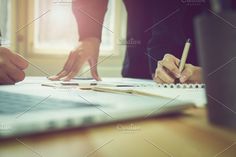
[{"x": 89, "y": 15}]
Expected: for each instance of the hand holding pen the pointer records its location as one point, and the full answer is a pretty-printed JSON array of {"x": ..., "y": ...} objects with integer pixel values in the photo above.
[{"x": 171, "y": 69}]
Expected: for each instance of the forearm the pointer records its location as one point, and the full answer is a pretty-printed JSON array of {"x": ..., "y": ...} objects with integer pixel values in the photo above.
[{"x": 89, "y": 16}]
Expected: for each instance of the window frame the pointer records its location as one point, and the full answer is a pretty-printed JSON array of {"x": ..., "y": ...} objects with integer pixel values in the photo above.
[
  {"x": 12, "y": 19},
  {"x": 34, "y": 52}
]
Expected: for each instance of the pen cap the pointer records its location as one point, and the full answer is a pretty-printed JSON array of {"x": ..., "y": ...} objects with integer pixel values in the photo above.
[{"x": 216, "y": 45}]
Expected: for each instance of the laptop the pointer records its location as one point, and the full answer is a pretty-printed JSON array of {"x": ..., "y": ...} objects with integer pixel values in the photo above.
[{"x": 30, "y": 108}]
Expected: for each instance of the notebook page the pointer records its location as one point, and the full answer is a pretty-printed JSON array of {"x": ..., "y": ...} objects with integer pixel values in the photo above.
[{"x": 195, "y": 95}]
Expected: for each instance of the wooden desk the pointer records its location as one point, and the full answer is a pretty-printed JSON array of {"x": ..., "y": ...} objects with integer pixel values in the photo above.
[{"x": 180, "y": 135}]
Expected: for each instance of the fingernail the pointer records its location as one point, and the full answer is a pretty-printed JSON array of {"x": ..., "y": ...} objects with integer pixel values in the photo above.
[{"x": 52, "y": 77}]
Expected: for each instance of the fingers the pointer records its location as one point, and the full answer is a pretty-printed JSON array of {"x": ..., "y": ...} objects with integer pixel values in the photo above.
[
  {"x": 15, "y": 73},
  {"x": 172, "y": 58},
  {"x": 167, "y": 71},
  {"x": 10, "y": 73},
  {"x": 171, "y": 64},
  {"x": 163, "y": 75},
  {"x": 67, "y": 67},
  {"x": 11, "y": 67},
  {"x": 88, "y": 49},
  {"x": 158, "y": 80},
  {"x": 70, "y": 61},
  {"x": 187, "y": 73},
  {"x": 19, "y": 61},
  {"x": 58, "y": 76},
  {"x": 93, "y": 69},
  {"x": 5, "y": 79},
  {"x": 14, "y": 58},
  {"x": 78, "y": 63}
]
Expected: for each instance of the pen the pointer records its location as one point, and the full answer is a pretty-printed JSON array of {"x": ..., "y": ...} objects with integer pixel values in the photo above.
[{"x": 184, "y": 55}]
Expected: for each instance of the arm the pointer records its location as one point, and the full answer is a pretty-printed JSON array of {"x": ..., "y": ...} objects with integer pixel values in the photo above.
[
  {"x": 168, "y": 71},
  {"x": 89, "y": 15},
  {"x": 168, "y": 37}
]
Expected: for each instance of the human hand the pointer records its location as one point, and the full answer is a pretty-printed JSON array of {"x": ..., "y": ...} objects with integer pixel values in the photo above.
[
  {"x": 11, "y": 67},
  {"x": 167, "y": 71},
  {"x": 88, "y": 50}
]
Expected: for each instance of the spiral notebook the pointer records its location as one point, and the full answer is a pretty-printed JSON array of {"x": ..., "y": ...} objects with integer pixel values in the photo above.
[
  {"x": 194, "y": 93},
  {"x": 181, "y": 85}
]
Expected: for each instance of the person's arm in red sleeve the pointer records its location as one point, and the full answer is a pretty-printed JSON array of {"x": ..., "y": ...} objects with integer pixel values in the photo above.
[{"x": 89, "y": 15}]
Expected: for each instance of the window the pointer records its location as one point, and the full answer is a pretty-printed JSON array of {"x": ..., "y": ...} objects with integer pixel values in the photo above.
[
  {"x": 5, "y": 22},
  {"x": 55, "y": 31}
]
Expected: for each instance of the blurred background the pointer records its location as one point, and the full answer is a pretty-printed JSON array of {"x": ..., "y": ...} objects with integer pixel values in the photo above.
[{"x": 44, "y": 32}]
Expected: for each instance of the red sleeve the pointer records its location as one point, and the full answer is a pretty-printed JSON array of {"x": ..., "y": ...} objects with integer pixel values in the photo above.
[{"x": 89, "y": 16}]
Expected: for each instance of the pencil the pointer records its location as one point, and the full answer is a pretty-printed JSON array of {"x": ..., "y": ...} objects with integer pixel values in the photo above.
[{"x": 184, "y": 55}]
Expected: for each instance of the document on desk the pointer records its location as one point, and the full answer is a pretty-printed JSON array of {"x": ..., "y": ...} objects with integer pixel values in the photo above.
[
  {"x": 195, "y": 95},
  {"x": 188, "y": 92},
  {"x": 106, "y": 82},
  {"x": 191, "y": 94}
]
